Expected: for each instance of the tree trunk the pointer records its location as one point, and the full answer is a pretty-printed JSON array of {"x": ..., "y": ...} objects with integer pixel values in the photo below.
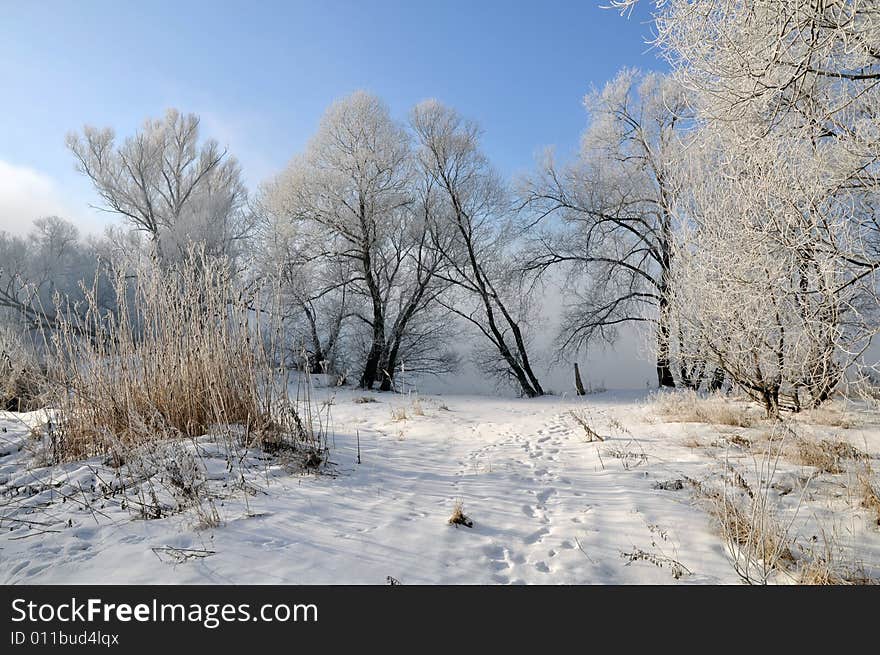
[
  {"x": 524, "y": 384},
  {"x": 664, "y": 373},
  {"x": 770, "y": 398},
  {"x": 374, "y": 357},
  {"x": 371, "y": 366},
  {"x": 578, "y": 384},
  {"x": 377, "y": 348},
  {"x": 717, "y": 380},
  {"x": 664, "y": 370},
  {"x": 528, "y": 381},
  {"x": 387, "y": 372}
]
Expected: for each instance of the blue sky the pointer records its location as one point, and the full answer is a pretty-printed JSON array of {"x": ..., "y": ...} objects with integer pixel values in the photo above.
[{"x": 260, "y": 74}]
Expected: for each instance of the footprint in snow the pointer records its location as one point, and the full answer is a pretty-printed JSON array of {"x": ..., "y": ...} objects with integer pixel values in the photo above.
[
  {"x": 537, "y": 536},
  {"x": 21, "y": 565},
  {"x": 36, "y": 569}
]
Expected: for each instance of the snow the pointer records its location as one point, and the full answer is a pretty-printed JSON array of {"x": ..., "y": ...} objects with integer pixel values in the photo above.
[{"x": 548, "y": 506}]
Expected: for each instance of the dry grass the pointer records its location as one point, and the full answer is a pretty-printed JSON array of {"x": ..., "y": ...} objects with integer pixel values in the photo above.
[
  {"x": 835, "y": 413},
  {"x": 22, "y": 380},
  {"x": 398, "y": 414},
  {"x": 756, "y": 539},
  {"x": 824, "y": 563},
  {"x": 770, "y": 442},
  {"x": 818, "y": 572},
  {"x": 629, "y": 457},
  {"x": 762, "y": 546},
  {"x": 811, "y": 453},
  {"x": 758, "y": 528},
  {"x": 183, "y": 354},
  {"x": 869, "y": 492},
  {"x": 822, "y": 571},
  {"x": 736, "y": 440},
  {"x": 364, "y": 400},
  {"x": 676, "y": 568},
  {"x": 459, "y": 517},
  {"x": 687, "y": 406},
  {"x": 21, "y": 389},
  {"x": 827, "y": 455},
  {"x": 759, "y": 545}
]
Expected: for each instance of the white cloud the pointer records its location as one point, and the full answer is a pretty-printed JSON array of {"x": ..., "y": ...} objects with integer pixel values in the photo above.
[{"x": 26, "y": 194}]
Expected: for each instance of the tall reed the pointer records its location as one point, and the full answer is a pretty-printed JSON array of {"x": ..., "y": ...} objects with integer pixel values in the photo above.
[{"x": 184, "y": 351}]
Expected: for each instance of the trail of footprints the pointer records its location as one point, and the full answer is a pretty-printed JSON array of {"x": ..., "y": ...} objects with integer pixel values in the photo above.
[{"x": 540, "y": 478}]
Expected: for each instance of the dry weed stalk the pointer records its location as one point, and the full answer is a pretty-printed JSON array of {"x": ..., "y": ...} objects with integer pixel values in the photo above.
[
  {"x": 758, "y": 544},
  {"x": 591, "y": 434}
]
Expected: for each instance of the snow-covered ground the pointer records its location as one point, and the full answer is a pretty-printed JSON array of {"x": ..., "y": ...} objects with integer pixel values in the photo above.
[{"x": 549, "y": 505}]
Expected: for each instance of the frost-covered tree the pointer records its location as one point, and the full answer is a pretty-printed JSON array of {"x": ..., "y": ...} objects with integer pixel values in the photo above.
[
  {"x": 778, "y": 276},
  {"x": 354, "y": 194},
  {"x": 757, "y": 289},
  {"x": 796, "y": 69},
  {"x": 168, "y": 184},
  {"x": 313, "y": 289},
  {"x": 48, "y": 271},
  {"x": 472, "y": 231},
  {"x": 606, "y": 218}
]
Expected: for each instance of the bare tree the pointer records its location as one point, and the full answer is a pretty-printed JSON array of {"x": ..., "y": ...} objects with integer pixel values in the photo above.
[
  {"x": 314, "y": 290},
  {"x": 472, "y": 232},
  {"x": 613, "y": 237},
  {"x": 356, "y": 187},
  {"x": 168, "y": 185}
]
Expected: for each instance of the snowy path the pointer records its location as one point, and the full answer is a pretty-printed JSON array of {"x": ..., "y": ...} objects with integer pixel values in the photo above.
[{"x": 548, "y": 507}]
